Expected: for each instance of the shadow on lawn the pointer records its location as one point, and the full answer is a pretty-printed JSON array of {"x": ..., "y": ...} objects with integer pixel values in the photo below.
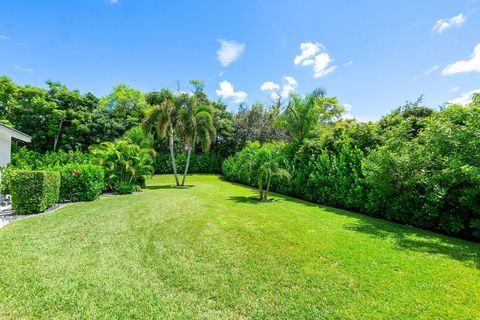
[
  {"x": 251, "y": 200},
  {"x": 404, "y": 237},
  {"x": 413, "y": 239},
  {"x": 168, "y": 186}
]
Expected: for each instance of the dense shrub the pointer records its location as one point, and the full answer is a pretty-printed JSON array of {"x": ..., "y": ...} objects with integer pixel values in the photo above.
[
  {"x": 414, "y": 167},
  {"x": 199, "y": 163},
  {"x": 81, "y": 182},
  {"x": 126, "y": 188},
  {"x": 34, "y": 191},
  {"x": 25, "y": 159},
  {"x": 6, "y": 176},
  {"x": 433, "y": 180}
]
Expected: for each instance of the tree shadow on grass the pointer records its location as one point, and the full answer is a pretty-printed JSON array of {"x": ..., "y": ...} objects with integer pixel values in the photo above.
[
  {"x": 409, "y": 238},
  {"x": 168, "y": 186},
  {"x": 404, "y": 237},
  {"x": 251, "y": 200}
]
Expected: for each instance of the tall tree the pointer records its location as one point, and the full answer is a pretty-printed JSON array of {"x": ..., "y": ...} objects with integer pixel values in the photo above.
[
  {"x": 196, "y": 128},
  {"x": 303, "y": 114},
  {"x": 163, "y": 116}
]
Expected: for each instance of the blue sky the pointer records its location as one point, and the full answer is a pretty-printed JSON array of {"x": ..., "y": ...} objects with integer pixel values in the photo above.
[{"x": 373, "y": 55}]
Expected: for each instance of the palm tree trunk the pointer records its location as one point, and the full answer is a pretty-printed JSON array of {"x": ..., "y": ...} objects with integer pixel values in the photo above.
[
  {"x": 260, "y": 188},
  {"x": 268, "y": 188},
  {"x": 172, "y": 156},
  {"x": 189, "y": 150},
  {"x": 187, "y": 164}
]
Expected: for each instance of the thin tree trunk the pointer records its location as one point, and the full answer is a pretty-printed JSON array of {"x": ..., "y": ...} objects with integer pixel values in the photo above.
[
  {"x": 172, "y": 156},
  {"x": 260, "y": 188},
  {"x": 187, "y": 164},
  {"x": 268, "y": 188},
  {"x": 57, "y": 137}
]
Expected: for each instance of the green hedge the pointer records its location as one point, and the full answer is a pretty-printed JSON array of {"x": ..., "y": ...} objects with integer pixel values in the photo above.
[
  {"x": 81, "y": 182},
  {"x": 428, "y": 179},
  {"x": 34, "y": 191},
  {"x": 199, "y": 163}
]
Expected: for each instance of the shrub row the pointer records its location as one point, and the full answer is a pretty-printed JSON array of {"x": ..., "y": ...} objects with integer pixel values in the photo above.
[
  {"x": 428, "y": 178},
  {"x": 81, "y": 182},
  {"x": 199, "y": 163},
  {"x": 34, "y": 191}
]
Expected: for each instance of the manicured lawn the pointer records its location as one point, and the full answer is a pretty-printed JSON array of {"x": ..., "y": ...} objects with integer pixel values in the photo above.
[{"x": 211, "y": 252}]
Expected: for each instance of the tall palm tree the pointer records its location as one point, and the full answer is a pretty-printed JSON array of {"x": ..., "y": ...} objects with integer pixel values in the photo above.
[
  {"x": 163, "y": 116},
  {"x": 304, "y": 113},
  {"x": 197, "y": 127}
]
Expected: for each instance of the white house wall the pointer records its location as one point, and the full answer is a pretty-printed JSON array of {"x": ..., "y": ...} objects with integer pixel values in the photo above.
[{"x": 5, "y": 149}]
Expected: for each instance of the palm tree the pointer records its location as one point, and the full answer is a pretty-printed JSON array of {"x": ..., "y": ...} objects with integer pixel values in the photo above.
[
  {"x": 163, "y": 116},
  {"x": 197, "y": 127},
  {"x": 124, "y": 161},
  {"x": 264, "y": 162},
  {"x": 303, "y": 114},
  {"x": 181, "y": 115}
]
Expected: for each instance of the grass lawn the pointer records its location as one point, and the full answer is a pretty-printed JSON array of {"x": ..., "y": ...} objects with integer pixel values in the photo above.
[{"x": 212, "y": 252}]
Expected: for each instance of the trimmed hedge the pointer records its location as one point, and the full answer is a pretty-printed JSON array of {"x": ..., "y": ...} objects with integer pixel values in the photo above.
[
  {"x": 34, "y": 191},
  {"x": 199, "y": 163},
  {"x": 81, "y": 182}
]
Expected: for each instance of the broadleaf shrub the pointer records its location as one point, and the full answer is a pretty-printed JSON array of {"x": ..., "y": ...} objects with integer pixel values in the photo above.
[
  {"x": 127, "y": 188},
  {"x": 413, "y": 167},
  {"x": 81, "y": 182},
  {"x": 34, "y": 191},
  {"x": 199, "y": 163}
]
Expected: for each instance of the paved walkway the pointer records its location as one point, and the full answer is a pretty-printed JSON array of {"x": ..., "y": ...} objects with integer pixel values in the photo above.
[{"x": 7, "y": 215}]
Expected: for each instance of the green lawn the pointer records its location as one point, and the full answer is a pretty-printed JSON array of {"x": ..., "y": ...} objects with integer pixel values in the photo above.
[{"x": 212, "y": 252}]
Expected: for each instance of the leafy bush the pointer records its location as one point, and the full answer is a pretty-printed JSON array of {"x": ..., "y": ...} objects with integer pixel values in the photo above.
[
  {"x": 6, "y": 176},
  {"x": 81, "y": 182},
  {"x": 34, "y": 191},
  {"x": 431, "y": 181},
  {"x": 124, "y": 161},
  {"x": 127, "y": 188},
  {"x": 25, "y": 159},
  {"x": 199, "y": 163},
  {"x": 415, "y": 167}
]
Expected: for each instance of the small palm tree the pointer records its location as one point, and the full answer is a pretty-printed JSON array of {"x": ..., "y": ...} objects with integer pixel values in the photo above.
[
  {"x": 123, "y": 161},
  {"x": 265, "y": 162}
]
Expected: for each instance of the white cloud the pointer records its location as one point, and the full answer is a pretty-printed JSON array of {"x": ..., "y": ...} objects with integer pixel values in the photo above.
[
  {"x": 229, "y": 51},
  {"x": 269, "y": 85},
  {"x": 3, "y": 37},
  {"x": 431, "y": 70},
  {"x": 288, "y": 85},
  {"x": 425, "y": 74},
  {"x": 309, "y": 49},
  {"x": 315, "y": 55},
  {"x": 443, "y": 24},
  {"x": 226, "y": 91},
  {"x": 454, "y": 89},
  {"x": 347, "y": 115},
  {"x": 347, "y": 107},
  {"x": 462, "y": 66},
  {"x": 348, "y": 64},
  {"x": 465, "y": 98},
  {"x": 22, "y": 69}
]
